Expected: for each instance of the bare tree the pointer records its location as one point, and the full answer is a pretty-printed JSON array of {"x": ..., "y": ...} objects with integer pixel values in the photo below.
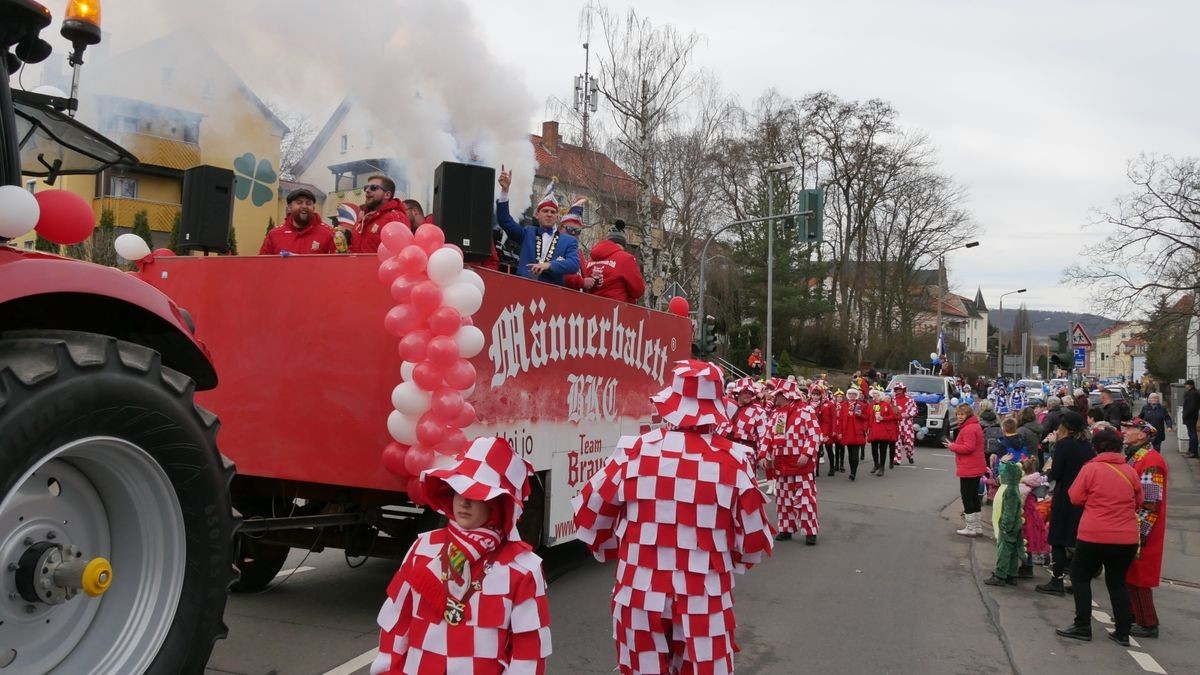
[
  {"x": 293, "y": 145},
  {"x": 1154, "y": 253}
]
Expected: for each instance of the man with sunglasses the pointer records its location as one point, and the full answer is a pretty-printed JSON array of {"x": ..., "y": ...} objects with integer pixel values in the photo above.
[{"x": 380, "y": 208}]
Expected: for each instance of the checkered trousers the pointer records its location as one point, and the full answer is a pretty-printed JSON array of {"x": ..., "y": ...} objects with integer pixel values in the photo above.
[
  {"x": 680, "y": 512},
  {"x": 908, "y": 413},
  {"x": 796, "y": 503},
  {"x": 506, "y": 628},
  {"x": 747, "y": 426},
  {"x": 794, "y": 433}
]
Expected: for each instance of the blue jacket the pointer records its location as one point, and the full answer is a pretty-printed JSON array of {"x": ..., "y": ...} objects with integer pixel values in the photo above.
[{"x": 564, "y": 261}]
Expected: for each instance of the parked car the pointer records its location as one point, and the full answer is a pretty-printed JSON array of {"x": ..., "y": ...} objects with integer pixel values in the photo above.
[
  {"x": 1118, "y": 393},
  {"x": 1033, "y": 390},
  {"x": 933, "y": 395}
]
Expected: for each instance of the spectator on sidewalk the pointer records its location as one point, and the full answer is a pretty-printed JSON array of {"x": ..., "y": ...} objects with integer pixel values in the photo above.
[
  {"x": 1144, "y": 573},
  {"x": 968, "y": 466},
  {"x": 1159, "y": 417},
  {"x": 1115, "y": 411},
  {"x": 1190, "y": 415},
  {"x": 1072, "y": 450}
]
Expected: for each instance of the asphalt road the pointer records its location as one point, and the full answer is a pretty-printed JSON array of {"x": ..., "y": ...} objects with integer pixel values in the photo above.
[{"x": 889, "y": 589}]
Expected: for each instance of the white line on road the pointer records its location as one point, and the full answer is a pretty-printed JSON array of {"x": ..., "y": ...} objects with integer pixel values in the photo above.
[
  {"x": 1132, "y": 642},
  {"x": 361, "y": 661},
  {"x": 294, "y": 570},
  {"x": 940, "y": 454},
  {"x": 1101, "y": 616},
  {"x": 1147, "y": 662},
  {"x": 933, "y": 468}
]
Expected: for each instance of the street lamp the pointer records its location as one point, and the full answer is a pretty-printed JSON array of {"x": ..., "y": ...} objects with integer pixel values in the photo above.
[
  {"x": 771, "y": 171},
  {"x": 941, "y": 277},
  {"x": 1000, "y": 327}
]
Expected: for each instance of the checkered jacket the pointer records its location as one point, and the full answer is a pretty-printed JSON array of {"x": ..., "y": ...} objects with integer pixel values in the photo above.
[
  {"x": 680, "y": 511},
  {"x": 747, "y": 426},
  {"x": 793, "y": 432},
  {"x": 506, "y": 629}
]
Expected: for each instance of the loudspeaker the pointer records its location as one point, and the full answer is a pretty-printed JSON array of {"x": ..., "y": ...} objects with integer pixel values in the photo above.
[
  {"x": 463, "y": 206},
  {"x": 207, "y": 208}
]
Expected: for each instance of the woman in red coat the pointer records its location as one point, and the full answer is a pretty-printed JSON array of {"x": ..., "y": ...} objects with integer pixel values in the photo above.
[
  {"x": 852, "y": 427},
  {"x": 969, "y": 466},
  {"x": 885, "y": 428},
  {"x": 823, "y": 406},
  {"x": 836, "y": 409}
]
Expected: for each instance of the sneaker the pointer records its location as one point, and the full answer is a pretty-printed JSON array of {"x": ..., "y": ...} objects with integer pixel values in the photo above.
[
  {"x": 1138, "y": 630},
  {"x": 1076, "y": 632}
]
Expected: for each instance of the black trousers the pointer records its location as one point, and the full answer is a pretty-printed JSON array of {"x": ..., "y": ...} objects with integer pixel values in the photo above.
[
  {"x": 968, "y": 489},
  {"x": 853, "y": 452},
  {"x": 881, "y": 452},
  {"x": 830, "y": 455},
  {"x": 1058, "y": 560},
  {"x": 1115, "y": 559}
]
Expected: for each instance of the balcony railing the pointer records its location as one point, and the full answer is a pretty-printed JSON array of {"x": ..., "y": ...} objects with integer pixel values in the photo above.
[
  {"x": 160, "y": 214},
  {"x": 159, "y": 151}
]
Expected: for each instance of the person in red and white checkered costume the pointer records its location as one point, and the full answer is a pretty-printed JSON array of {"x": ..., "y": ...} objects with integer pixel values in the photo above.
[
  {"x": 792, "y": 446},
  {"x": 906, "y": 441},
  {"x": 680, "y": 512},
  {"x": 749, "y": 422},
  {"x": 470, "y": 598}
]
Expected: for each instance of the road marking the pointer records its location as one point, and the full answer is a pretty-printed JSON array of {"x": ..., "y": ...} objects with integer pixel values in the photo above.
[
  {"x": 1095, "y": 604},
  {"x": 939, "y": 454},
  {"x": 294, "y": 570},
  {"x": 1132, "y": 642},
  {"x": 1147, "y": 662},
  {"x": 1101, "y": 616},
  {"x": 361, "y": 661},
  {"x": 932, "y": 468}
]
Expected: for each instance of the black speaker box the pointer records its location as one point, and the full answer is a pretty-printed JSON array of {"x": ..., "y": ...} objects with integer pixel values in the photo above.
[
  {"x": 463, "y": 206},
  {"x": 207, "y": 208}
]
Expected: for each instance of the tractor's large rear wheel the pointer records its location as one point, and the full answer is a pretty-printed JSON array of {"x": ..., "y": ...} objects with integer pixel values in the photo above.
[{"x": 115, "y": 519}]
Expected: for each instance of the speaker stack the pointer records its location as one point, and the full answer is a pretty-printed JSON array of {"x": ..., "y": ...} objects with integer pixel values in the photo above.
[
  {"x": 207, "y": 208},
  {"x": 463, "y": 206}
]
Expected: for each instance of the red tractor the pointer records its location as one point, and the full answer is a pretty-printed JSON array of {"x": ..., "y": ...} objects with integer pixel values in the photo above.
[{"x": 117, "y": 526}]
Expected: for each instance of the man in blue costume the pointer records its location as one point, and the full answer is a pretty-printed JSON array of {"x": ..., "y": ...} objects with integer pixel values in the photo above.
[{"x": 546, "y": 253}]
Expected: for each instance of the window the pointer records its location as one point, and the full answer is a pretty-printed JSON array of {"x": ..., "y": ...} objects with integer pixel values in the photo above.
[
  {"x": 345, "y": 143},
  {"x": 123, "y": 186},
  {"x": 31, "y": 185},
  {"x": 191, "y": 133}
]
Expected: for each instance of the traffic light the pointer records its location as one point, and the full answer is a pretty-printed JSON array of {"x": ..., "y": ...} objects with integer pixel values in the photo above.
[
  {"x": 813, "y": 201},
  {"x": 1060, "y": 339},
  {"x": 1061, "y": 363},
  {"x": 708, "y": 336}
]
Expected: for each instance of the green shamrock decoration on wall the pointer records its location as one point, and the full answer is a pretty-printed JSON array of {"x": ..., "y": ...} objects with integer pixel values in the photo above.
[{"x": 254, "y": 179}]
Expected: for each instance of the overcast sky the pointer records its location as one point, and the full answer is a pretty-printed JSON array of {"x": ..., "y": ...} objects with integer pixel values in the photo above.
[{"x": 1034, "y": 106}]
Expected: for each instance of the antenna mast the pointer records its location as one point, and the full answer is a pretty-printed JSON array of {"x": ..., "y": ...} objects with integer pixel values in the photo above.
[{"x": 586, "y": 87}]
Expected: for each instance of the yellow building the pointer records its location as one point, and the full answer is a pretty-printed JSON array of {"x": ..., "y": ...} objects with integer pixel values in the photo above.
[
  {"x": 175, "y": 104},
  {"x": 1111, "y": 356}
]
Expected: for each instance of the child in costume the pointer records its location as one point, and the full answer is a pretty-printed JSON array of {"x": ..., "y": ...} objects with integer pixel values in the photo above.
[
  {"x": 1010, "y": 537},
  {"x": 680, "y": 512},
  {"x": 1036, "y": 543},
  {"x": 469, "y": 598},
  {"x": 852, "y": 427}
]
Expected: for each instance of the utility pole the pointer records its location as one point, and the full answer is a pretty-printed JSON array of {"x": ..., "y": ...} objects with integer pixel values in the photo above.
[
  {"x": 586, "y": 87},
  {"x": 771, "y": 171}
]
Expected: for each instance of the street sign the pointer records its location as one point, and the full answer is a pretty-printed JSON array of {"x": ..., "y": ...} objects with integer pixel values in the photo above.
[
  {"x": 1079, "y": 336},
  {"x": 1080, "y": 357}
]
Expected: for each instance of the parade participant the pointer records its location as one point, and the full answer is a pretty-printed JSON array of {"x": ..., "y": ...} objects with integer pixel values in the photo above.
[
  {"x": 302, "y": 232},
  {"x": 1145, "y": 571},
  {"x": 749, "y": 422},
  {"x": 613, "y": 272},
  {"x": 968, "y": 466},
  {"x": 999, "y": 397},
  {"x": 906, "y": 438},
  {"x": 852, "y": 426},
  {"x": 839, "y": 446},
  {"x": 1109, "y": 491},
  {"x": 967, "y": 396},
  {"x": 572, "y": 223},
  {"x": 680, "y": 512},
  {"x": 546, "y": 253},
  {"x": 884, "y": 421},
  {"x": 470, "y": 597},
  {"x": 1159, "y": 417},
  {"x": 823, "y": 407},
  {"x": 1072, "y": 450},
  {"x": 792, "y": 447},
  {"x": 415, "y": 214},
  {"x": 347, "y": 215},
  {"x": 1018, "y": 398},
  {"x": 379, "y": 208}
]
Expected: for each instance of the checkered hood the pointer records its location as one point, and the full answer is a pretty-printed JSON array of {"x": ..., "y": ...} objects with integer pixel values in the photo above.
[
  {"x": 486, "y": 470},
  {"x": 695, "y": 397},
  {"x": 743, "y": 384},
  {"x": 788, "y": 389}
]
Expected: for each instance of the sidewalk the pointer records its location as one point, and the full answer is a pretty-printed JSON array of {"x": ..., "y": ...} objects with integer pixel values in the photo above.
[{"x": 1027, "y": 619}]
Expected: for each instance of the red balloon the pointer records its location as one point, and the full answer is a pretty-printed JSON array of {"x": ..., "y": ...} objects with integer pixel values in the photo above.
[
  {"x": 396, "y": 236},
  {"x": 430, "y": 430},
  {"x": 401, "y": 319},
  {"x": 454, "y": 443},
  {"x": 446, "y": 404},
  {"x": 466, "y": 416},
  {"x": 427, "y": 376},
  {"x": 393, "y": 459},
  {"x": 417, "y": 459},
  {"x": 412, "y": 259},
  {"x": 389, "y": 270},
  {"x": 460, "y": 375},
  {"x": 429, "y": 237},
  {"x": 415, "y": 491},
  {"x": 414, "y": 346},
  {"x": 426, "y": 297},
  {"x": 384, "y": 253},
  {"x": 65, "y": 218},
  {"x": 445, "y": 321},
  {"x": 164, "y": 253},
  {"x": 442, "y": 349},
  {"x": 402, "y": 288},
  {"x": 679, "y": 306}
]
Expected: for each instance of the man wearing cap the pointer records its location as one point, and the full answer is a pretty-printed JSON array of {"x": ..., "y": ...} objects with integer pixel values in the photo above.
[
  {"x": 613, "y": 272},
  {"x": 380, "y": 207},
  {"x": 681, "y": 513},
  {"x": 302, "y": 232},
  {"x": 792, "y": 448},
  {"x": 1191, "y": 415},
  {"x": 1145, "y": 571},
  {"x": 546, "y": 254}
]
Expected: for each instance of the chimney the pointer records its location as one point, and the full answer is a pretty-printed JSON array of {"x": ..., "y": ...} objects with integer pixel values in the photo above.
[{"x": 550, "y": 137}]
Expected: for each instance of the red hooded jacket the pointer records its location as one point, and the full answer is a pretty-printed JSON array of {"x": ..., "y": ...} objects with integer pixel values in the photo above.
[
  {"x": 852, "y": 425},
  {"x": 826, "y": 419},
  {"x": 616, "y": 273},
  {"x": 317, "y": 237},
  {"x": 367, "y": 235},
  {"x": 888, "y": 427}
]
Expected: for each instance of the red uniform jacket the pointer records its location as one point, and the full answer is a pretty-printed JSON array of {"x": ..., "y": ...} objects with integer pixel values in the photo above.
[
  {"x": 317, "y": 237},
  {"x": 575, "y": 281},
  {"x": 825, "y": 419},
  {"x": 367, "y": 230},
  {"x": 616, "y": 272},
  {"x": 852, "y": 423},
  {"x": 887, "y": 426}
]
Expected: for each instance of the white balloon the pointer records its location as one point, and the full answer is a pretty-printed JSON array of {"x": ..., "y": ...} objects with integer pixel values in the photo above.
[
  {"x": 409, "y": 399},
  {"x": 466, "y": 393},
  {"x": 464, "y": 297},
  {"x": 406, "y": 369},
  {"x": 444, "y": 266},
  {"x": 402, "y": 428},
  {"x": 131, "y": 247},
  {"x": 19, "y": 211},
  {"x": 472, "y": 277},
  {"x": 470, "y": 341}
]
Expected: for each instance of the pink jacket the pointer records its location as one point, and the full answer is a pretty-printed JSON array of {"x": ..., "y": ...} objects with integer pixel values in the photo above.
[
  {"x": 968, "y": 450},
  {"x": 1110, "y": 492}
]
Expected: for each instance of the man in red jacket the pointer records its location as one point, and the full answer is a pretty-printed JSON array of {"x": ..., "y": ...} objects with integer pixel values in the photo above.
[
  {"x": 380, "y": 208},
  {"x": 302, "y": 232},
  {"x": 612, "y": 272}
]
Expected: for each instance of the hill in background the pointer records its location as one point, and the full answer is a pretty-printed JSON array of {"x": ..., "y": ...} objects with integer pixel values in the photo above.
[{"x": 1046, "y": 322}]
